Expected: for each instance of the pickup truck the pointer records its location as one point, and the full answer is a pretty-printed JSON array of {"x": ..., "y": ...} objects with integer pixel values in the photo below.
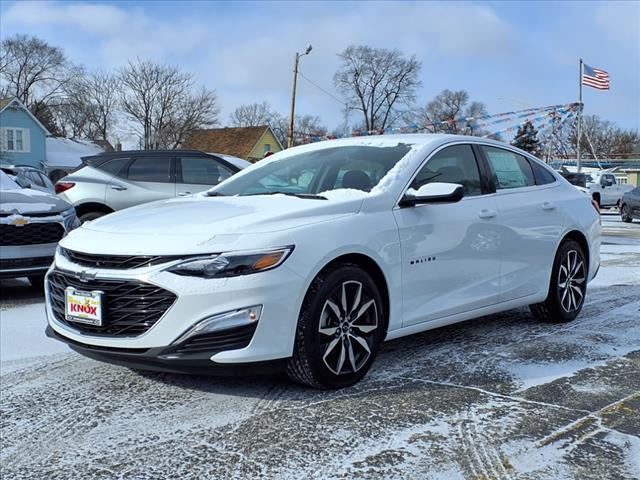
[{"x": 605, "y": 189}]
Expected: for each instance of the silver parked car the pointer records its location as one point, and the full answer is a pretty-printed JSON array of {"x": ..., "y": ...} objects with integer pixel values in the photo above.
[
  {"x": 31, "y": 224},
  {"x": 115, "y": 180},
  {"x": 28, "y": 177}
]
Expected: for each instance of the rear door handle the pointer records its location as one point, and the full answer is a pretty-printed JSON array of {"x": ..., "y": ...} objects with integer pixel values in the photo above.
[
  {"x": 486, "y": 213},
  {"x": 183, "y": 194},
  {"x": 118, "y": 187},
  {"x": 548, "y": 206}
]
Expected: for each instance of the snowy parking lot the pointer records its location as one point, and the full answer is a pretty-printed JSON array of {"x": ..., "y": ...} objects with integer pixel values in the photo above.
[{"x": 498, "y": 397}]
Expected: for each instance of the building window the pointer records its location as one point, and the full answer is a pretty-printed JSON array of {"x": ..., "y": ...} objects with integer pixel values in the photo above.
[
  {"x": 267, "y": 148},
  {"x": 15, "y": 139}
]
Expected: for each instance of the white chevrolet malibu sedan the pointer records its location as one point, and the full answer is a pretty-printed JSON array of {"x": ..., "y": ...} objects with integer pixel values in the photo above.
[{"x": 311, "y": 258}]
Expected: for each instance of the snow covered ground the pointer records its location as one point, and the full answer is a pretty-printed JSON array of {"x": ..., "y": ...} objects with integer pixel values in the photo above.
[{"x": 498, "y": 397}]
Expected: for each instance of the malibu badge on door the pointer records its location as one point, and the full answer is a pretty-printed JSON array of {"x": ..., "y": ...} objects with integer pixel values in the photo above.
[{"x": 83, "y": 307}]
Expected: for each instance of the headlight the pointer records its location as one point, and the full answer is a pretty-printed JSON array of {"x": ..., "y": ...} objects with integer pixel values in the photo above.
[{"x": 232, "y": 264}]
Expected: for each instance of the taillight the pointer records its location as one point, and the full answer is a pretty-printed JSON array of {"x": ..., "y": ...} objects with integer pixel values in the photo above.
[{"x": 63, "y": 186}]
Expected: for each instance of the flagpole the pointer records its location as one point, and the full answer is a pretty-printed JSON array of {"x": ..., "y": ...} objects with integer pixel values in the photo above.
[{"x": 579, "y": 163}]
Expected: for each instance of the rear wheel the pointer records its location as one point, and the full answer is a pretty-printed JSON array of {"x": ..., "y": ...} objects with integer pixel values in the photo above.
[
  {"x": 568, "y": 285},
  {"x": 339, "y": 331},
  {"x": 625, "y": 213},
  {"x": 91, "y": 216}
]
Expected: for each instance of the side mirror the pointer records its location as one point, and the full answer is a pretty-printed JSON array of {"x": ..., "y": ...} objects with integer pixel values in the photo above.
[{"x": 433, "y": 193}]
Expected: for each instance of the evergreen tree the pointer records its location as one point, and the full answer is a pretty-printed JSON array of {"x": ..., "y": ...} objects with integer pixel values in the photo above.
[{"x": 527, "y": 138}]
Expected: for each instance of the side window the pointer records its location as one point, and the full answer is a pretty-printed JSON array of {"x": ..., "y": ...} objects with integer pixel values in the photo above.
[
  {"x": 150, "y": 170},
  {"x": 203, "y": 171},
  {"x": 455, "y": 164},
  {"x": 511, "y": 170},
  {"x": 35, "y": 178},
  {"x": 46, "y": 182},
  {"x": 609, "y": 180},
  {"x": 114, "y": 166},
  {"x": 541, "y": 174}
]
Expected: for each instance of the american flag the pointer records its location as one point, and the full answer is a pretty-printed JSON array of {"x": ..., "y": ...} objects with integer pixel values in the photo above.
[{"x": 594, "y": 77}]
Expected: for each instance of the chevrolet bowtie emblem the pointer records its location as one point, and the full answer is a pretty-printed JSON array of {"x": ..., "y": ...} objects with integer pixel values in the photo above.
[
  {"x": 87, "y": 275},
  {"x": 19, "y": 221}
]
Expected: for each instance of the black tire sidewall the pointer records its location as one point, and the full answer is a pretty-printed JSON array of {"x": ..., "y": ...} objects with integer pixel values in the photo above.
[
  {"x": 554, "y": 298},
  {"x": 310, "y": 317},
  {"x": 87, "y": 217},
  {"x": 624, "y": 214}
]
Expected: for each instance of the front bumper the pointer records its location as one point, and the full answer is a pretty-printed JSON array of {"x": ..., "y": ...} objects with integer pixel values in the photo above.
[
  {"x": 278, "y": 291},
  {"x": 25, "y": 260},
  {"x": 155, "y": 359}
]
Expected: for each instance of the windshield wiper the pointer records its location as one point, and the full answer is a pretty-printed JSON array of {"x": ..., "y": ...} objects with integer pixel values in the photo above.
[
  {"x": 215, "y": 194},
  {"x": 308, "y": 196}
]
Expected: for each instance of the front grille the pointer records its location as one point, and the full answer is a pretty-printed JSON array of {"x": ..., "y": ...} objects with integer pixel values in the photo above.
[
  {"x": 130, "y": 307},
  {"x": 210, "y": 343},
  {"x": 30, "y": 234},
  {"x": 121, "y": 262},
  {"x": 15, "y": 263}
]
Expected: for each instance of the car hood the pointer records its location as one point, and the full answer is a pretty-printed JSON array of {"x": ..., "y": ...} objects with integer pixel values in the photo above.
[
  {"x": 28, "y": 201},
  {"x": 200, "y": 223}
]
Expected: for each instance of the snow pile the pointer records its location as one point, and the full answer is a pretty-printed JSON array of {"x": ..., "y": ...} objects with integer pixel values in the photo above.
[
  {"x": 343, "y": 194},
  {"x": 398, "y": 171},
  {"x": 67, "y": 152}
]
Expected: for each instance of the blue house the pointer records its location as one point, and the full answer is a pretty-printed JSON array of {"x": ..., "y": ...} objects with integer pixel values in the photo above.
[{"x": 22, "y": 136}]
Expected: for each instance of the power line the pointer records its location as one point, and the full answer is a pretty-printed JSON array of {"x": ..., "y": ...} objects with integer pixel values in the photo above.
[{"x": 323, "y": 90}]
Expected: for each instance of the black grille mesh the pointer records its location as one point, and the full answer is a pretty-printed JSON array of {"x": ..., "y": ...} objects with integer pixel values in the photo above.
[
  {"x": 121, "y": 262},
  {"x": 31, "y": 234},
  {"x": 130, "y": 308}
]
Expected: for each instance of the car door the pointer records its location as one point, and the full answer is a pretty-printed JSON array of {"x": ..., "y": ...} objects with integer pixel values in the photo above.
[
  {"x": 610, "y": 192},
  {"x": 450, "y": 251},
  {"x": 529, "y": 220},
  {"x": 144, "y": 179},
  {"x": 196, "y": 174}
]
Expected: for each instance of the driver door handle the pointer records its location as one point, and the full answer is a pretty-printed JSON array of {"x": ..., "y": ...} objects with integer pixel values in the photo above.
[
  {"x": 118, "y": 187},
  {"x": 487, "y": 213}
]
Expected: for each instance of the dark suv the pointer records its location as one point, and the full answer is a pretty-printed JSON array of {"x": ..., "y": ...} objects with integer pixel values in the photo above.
[
  {"x": 116, "y": 180},
  {"x": 630, "y": 205}
]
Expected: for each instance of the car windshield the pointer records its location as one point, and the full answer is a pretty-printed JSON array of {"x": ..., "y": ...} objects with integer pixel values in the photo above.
[
  {"x": 308, "y": 174},
  {"x": 6, "y": 183}
]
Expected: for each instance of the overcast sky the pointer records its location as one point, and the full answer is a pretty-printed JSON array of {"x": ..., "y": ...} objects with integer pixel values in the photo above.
[{"x": 510, "y": 55}]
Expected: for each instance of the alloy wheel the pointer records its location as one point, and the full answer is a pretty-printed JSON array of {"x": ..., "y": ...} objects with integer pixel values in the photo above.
[
  {"x": 571, "y": 281},
  {"x": 347, "y": 327}
]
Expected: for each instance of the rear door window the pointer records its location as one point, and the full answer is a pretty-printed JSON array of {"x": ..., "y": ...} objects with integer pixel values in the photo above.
[
  {"x": 150, "y": 169},
  {"x": 510, "y": 169},
  {"x": 203, "y": 171},
  {"x": 114, "y": 167},
  {"x": 541, "y": 174}
]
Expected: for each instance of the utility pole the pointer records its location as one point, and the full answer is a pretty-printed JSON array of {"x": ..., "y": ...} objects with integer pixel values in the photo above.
[{"x": 293, "y": 95}]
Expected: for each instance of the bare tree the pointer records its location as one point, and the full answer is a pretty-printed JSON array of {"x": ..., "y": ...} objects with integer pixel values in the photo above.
[
  {"x": 450, "y": 106},
  {"x": 601, "y": 137},
  {"x": 377, "y": 82},
  {"x": 252, "y": 115},
  {"x": 34, "y": 71},
  {"x": 158, "y": 99},
  {"x": 100, "y": 93}
]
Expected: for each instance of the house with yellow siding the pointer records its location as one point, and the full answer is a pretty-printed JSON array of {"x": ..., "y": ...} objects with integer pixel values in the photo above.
[{"x": 250, "y": 143}]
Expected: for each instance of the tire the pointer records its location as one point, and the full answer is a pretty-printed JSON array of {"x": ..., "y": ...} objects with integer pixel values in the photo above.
[
  {"x": 91, "y": 216},
  {"x": 566, "y": 294},
  {"x": 625, "y": 214},
  {"x": 37, "y": 281},
  {"x": 341, "y": 354}
]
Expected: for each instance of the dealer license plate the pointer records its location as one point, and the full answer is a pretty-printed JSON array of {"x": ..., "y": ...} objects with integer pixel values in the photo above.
[{"x": 83, "y": 307}]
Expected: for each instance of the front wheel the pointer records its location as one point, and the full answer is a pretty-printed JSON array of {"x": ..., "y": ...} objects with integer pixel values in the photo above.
[
  {"x": 568, "y": 285},
  {"x": 625, "y": 213},
  {"x": 340, "y": 328}
]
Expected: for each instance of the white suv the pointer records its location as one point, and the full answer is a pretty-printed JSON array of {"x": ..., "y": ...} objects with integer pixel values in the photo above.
[{"x": 308, "y": 260}]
